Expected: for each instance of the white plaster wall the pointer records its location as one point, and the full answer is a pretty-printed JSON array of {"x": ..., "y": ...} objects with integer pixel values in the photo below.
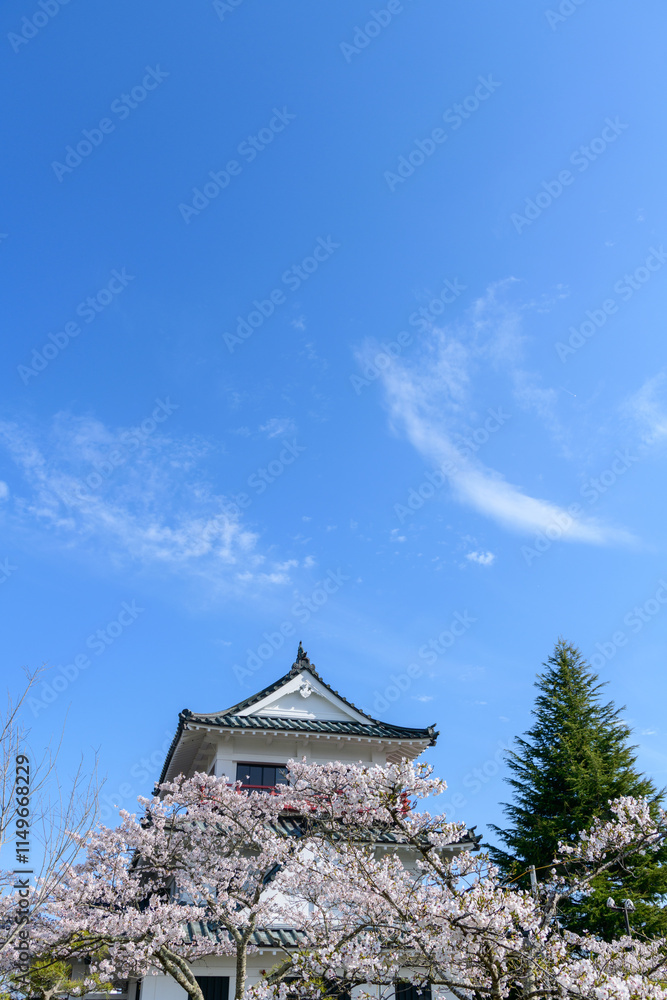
[
  {"x": 161, "y": 987},
  {"x": 251, "y": 748}
]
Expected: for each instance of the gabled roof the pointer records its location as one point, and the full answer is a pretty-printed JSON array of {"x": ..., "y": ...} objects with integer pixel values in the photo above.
[
  {"x": 300, "y": 664},
  {"x": 353, "y": 723}
]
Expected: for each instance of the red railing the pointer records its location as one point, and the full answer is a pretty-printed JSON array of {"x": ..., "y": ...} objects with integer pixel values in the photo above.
[{"x": 259, "y": 788}]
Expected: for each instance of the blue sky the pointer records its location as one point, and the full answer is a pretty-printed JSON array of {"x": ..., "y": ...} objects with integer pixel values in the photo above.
[{"x": 329, "y": 292}]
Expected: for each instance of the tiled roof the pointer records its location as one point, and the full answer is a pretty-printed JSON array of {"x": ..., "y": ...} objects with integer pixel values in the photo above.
[
  {"x": 230, "y": 719},
  {"x": 264, "y": 722},
  {"x": 269, "y": 937},
  {"x": 295, "y": 826}
]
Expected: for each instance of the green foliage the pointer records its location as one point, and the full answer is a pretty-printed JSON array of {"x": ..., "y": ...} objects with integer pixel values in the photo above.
[
  {"x": 51, "y": 979},
  {"x": 564, "y": 770}
]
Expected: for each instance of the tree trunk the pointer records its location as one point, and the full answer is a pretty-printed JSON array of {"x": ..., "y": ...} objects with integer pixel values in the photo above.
[
  {"x": 180, "y": 970},
  {"x": 241, "y": 969}
]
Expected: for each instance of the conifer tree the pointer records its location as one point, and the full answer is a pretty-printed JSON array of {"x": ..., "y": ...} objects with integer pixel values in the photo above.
[{"x": 564, "y": 771}]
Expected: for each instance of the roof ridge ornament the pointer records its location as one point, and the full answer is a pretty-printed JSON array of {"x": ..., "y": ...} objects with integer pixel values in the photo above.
[{"x": 301, "y": 661}]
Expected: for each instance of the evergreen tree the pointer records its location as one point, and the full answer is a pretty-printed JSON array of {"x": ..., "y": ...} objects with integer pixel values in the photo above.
[{"x": 565, "y": 769}]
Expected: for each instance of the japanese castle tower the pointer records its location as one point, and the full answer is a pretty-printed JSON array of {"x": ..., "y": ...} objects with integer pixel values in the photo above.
[{"x": 297, "y": 716}]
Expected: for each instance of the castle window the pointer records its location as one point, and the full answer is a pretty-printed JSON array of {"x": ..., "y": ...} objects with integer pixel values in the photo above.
[
  {"x": 214, "y": 987},
  {"x": 408, "y": 991},
  {"x": 261, "y": 777}
]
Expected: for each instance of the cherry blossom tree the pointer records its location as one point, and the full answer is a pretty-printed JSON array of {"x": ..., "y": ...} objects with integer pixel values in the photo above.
[
  {"x": 393, "y": 896},
  {"x": 377, "y": 888},
  {"x": 191, "y": 877}
]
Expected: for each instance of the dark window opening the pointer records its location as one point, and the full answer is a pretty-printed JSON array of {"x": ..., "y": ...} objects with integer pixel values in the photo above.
[
  {"x": 214, "y": 987},
  {"x": 408, "y": 991},
  {"x": 261, "y": 776}
]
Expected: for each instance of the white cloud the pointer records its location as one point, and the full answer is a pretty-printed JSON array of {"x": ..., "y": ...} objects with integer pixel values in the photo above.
[
  {"x": 422, "y": 697},
  {"x": 430, "y": 399},
  {"x": 277, "y": 426},
  {"x": 4, "y": 490},
  {"x": 280, "y": 572},
  {"x": 481, "y": 558},
  {"x": 648, "y": 408},
  {"x": 132, "y": 501}
]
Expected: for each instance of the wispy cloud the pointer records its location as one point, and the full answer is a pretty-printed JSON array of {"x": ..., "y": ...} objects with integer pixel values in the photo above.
[
  {"x": 430, "y": 399},
  {"x": 481, "y": 558},
  {"x": 648, "y": 408},
  {"x": 277, "y": 426},
  {"x": 132, "y": 498}
]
